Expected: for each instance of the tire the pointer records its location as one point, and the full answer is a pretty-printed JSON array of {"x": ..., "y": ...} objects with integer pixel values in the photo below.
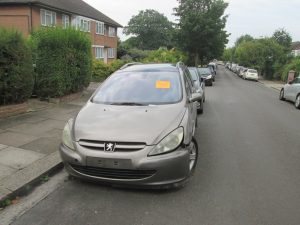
[
  {"x": 297, "y": 102},
  {"x": 200, "y": 111},
  {"x": 281, "y": 95},
  {"x": 193, "y": 153}
]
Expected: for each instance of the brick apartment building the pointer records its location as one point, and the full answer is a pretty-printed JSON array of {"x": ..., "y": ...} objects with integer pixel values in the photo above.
[{"x": 27, "y": 15}]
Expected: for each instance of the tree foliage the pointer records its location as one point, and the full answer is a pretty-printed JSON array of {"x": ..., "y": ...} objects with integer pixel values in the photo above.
[
  {"x": 201, "y": 28},
  {"x": 150, "y": 29},
  {"x": 283, "y": 38}
]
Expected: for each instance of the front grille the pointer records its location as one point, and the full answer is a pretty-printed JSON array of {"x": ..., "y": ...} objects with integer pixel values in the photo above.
[
  {"x": 120, "y": 146},
  {"x": 113, "y": 173}
]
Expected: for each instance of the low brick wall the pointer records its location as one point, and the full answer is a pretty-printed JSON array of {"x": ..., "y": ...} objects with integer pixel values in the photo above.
[{"x": 11, "y": 110}]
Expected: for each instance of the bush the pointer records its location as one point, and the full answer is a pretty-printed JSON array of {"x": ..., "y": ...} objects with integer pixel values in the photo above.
[
  {"x": 293, "y": 65},
  {"x": 102, "y": 70},
  {"x": 63, "y": 61},
  {"x": 16, "y": 71},
  {"x": 163, "y": 55}
]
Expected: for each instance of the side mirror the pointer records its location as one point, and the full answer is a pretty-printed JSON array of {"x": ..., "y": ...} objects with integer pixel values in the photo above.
[{"x": 195, "y": 97}]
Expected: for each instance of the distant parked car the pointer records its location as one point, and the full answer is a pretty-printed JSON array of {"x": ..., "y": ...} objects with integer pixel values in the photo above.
[
  {"x": 199, "y": 85},
  {"x": 251, "y": 74},
  {"x": 291, "y": 92},
  {"x": 207, "y": 75},
  {"x": 233, "y": 67},
  {"x": 242, "y": 71},
  {"x": 213, "y": 66}
]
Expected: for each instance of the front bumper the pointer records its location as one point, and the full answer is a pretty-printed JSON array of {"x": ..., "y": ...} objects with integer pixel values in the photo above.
[{"x": 127, "y": 168}]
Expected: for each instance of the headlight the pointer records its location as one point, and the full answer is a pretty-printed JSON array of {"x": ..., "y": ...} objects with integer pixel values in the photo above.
[
  {"x": 67, "y": 136},
  {"x": 169, "y": 143},
  {"x": 209, "y": 77}
]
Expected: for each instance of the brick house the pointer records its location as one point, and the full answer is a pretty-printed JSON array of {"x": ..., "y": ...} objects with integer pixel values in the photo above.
[{"x": 27, "y": 15}]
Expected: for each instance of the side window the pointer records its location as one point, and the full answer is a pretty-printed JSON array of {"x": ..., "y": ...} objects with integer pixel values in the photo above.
[{"x": 188, "y": 84}]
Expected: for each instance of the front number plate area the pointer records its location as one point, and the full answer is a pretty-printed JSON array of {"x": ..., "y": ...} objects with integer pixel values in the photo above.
[{"x": 109, "y": 163}]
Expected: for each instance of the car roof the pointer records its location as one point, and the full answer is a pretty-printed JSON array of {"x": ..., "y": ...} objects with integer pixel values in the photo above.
[{"x": 151, "y": 68}]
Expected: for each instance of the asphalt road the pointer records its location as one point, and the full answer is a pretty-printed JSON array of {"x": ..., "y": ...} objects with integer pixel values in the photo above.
[{"x": 248, "y": 171}]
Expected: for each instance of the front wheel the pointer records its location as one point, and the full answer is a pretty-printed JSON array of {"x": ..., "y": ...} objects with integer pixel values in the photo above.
[
  {"x": 193, "y": 153},
  {"x": 297, "y": 102},
  {"x": 281, "y": 95}
]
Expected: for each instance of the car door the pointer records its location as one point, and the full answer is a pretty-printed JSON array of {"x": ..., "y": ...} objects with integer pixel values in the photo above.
[
  {"x": 191, "y": 106},
  {"x": 288, "y": 91},
  {"x": 295, "y": 87}
]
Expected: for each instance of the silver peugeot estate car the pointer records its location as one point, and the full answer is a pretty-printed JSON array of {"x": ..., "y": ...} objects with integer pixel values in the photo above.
[{"x": 136, "y": 129}]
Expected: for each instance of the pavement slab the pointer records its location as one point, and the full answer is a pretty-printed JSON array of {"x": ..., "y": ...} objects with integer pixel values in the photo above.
[
  {"x": 3, "y": 146},
  {"x": 15, "y": 139},
  {"x": 18, "y": 158},
  {"x": 5, "y": 171},
  {"x": 44, "y": 145},
  {"x": 34, "y": 170}
]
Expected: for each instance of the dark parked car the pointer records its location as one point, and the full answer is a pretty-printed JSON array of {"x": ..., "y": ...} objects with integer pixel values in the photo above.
[
  {"x": 199, "y": 85},
  {"x": 207, "y": 75},
  {"x": 137, "y": 129}
]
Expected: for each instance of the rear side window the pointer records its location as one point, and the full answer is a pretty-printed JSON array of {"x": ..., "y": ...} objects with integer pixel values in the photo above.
[
  {"x": 252, "y": 71},
  {"x": 194, "y": 74}
]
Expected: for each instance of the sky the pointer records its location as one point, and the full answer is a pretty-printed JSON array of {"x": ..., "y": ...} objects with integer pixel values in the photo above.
[{"x": 259, "y": 18}]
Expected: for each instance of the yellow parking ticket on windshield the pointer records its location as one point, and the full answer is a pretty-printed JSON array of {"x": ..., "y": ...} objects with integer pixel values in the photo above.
[{"x": 163, "y": 84}]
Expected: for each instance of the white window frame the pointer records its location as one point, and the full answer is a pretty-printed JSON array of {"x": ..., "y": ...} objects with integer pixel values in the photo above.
[
  {"x": 65, "y": 19},
  {"x": 101, "y": 51},
  {"x": 100, "y": 29},
  {"x": 47, "y": 13},
  {"x": 111, "y": 31},
  {"x": 82, "y": 23},
  {"x": 111, "y": 53}
]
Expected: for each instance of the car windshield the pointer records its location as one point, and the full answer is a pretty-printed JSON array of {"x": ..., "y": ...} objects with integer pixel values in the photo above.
[
  {"x": 140, "y": 88},
  {"x": 252, "y": 71},
  {"x": 193, "y": 73},
  {"x": 204, "y": 71}
]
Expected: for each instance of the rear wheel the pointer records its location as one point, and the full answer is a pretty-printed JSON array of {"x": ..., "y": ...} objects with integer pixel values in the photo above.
[
  {"x": 193, "y": 153},
  {"x": 200, "y": 110},
  {"x": 297, "y": 102},
  {"x": 281, "y": 95}
]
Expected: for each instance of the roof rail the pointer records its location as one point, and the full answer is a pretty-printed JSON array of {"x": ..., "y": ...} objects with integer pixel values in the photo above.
[{"x": 130, "y": 64}]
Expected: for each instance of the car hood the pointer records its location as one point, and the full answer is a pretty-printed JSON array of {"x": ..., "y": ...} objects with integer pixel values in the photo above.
[{"x": 147, "y": 124}]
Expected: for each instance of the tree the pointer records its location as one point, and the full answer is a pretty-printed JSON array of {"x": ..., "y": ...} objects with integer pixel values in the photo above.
[
  {"x": 201, "y": 28},
  {"x": 283, "y": 38},
  {"x": 151, "y": 30},
  {"x": 242, "y": 39}
]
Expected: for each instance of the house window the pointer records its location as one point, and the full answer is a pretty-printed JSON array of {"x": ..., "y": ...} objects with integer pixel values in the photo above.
[
  {"x": 99, "y": 52},
  {"x": 48, "y": 18},
  {"x": 111, "y": 53},
  {"x": 111, "y": 32},
  {"x": 100, "y": 28},
  {"x": 82, "y": 23},
  {"x": 85, "y": 25},
  {"x": 65, "y": 21}
]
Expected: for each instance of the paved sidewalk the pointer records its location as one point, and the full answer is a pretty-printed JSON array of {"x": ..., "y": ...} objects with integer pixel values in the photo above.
[
  {"x": 29, "y": 142},
  {"x": 277, "y": 85}
]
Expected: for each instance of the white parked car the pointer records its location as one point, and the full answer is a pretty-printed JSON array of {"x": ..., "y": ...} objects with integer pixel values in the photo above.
[
  {"x": 291, "y": 92},
  {"x": 251, "y": 74}
]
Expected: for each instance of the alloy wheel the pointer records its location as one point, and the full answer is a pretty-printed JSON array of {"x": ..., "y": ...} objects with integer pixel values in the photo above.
[{"x": 193, "y": 152}]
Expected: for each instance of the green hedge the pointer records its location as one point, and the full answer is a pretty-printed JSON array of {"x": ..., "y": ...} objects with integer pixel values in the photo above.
[
  {"x": 16, "y": 71},
  {"x": 63, "y": 61},
  {"x": 102, "y": 70}
]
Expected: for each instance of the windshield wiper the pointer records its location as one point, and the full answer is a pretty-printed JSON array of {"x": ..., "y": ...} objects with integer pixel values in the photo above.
[{"x": 128, "y": 103}]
